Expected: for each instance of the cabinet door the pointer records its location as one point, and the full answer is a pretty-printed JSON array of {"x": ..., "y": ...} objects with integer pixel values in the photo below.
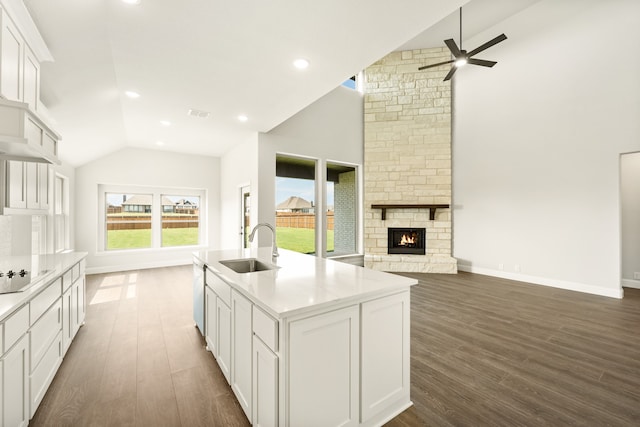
[
  {"x": 265, "y": 385},
  {"x": 223, "y": 347},
  {"x": 66, "y": 321},
  {"x": 15, "y": 385},
  {"x": 11, "y": 60},
  {"x": 322, "y": 369},
  {"x": 385, "y": 354},
  {"x": 241, "y": 340},
  {"x": 31, "y": 81},
  {"x": 75, "y": 293},
  {"x": 32, "y": 185},
  {"x": 43, "y": 186},
  {"x": 16, "y": 184},
  {"x": 210, "y": 319}
]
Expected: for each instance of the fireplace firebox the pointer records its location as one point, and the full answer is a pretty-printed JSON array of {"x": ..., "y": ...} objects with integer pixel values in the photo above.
[{"x": 406, "y": 241}]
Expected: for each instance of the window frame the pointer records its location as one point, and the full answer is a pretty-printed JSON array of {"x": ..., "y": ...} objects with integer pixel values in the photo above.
[
  {"x": 156, "y": 216},
  {"x": 59, "y": 247}
]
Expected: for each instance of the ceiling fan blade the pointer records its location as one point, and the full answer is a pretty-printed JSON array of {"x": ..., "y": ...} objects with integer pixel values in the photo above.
[
  {"x": 450, "y": 73},
  {"x": 453, "y": 47},
  {"x": 435, "y": 65},
  {"x": 481, "y": 62},
  {"x": 487, "y": 45}
]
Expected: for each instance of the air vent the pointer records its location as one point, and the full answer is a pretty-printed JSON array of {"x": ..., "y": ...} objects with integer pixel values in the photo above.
[{"x": 199, "y": 113}]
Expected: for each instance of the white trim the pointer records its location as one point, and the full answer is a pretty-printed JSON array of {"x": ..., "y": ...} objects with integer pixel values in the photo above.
[
  {"x": 631, "y": 283},
  {"x": 545, "y": 281}
]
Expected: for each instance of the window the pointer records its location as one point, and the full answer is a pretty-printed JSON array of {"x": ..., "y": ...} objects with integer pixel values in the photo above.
[
  {"x": 180, "y": 220},
  {"x": 128, "y": 219},
  {"x": 148, "y": 218},
  {"x": 61, "y": 213},
  {"x": 295, "y": 210}
]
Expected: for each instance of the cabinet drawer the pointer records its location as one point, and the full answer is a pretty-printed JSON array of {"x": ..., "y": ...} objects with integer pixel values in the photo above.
[
  {"x": 15, "y": 326},
  {"x": 67, "y": 280},
  {"x": 219, "y": 286},
  {"x": 46, "y": 298},
  {"x": 266, "y": 328},
  {"x": 41, "y": 377},
  {"x": 44, "y": 332}
]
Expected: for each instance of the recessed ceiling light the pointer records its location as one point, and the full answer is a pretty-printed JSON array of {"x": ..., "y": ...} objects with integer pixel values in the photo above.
[
  {"x": 131, "y": 1},
  {"x": 131, "y": 94},
  {"x": 165, "y": 122},
  {"x": 243, "y": 118},
  {"x": 159, "y": 143},
  {"x": 301, "y": 63}
]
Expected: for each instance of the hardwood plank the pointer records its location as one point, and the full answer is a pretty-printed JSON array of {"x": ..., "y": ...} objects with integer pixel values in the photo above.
[{"x": 484, "y": 352}]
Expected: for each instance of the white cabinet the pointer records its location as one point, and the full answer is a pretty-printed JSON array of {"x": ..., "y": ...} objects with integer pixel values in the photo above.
[
  {"x": 15, "y": 384},
  {"x": 323, "y": 369},
  {"x": 241, "y": 354},
  {"x": 16, "y": 192},
  {"x": 265, "y": 385},
  {"x": 210, "y": 316},
  {"x": 73, "y": 303},
  {"x": 67, "y": 337},
  {"x": 11, "y": 59},
  {"x": 27, "y": 186},
  {"x": 77, "y": 305},
  {"x": 46, "y": 352},
  {"x": 385, "y": 342},
  {"x": 223, "y": 323},
  {"x": 31, "y": 80}
]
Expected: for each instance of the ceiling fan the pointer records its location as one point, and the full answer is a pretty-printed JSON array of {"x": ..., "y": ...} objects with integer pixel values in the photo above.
[{"x": 462, "y": 57}]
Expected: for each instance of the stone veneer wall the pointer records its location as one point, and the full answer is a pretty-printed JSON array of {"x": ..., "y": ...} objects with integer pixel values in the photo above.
[{"x": 407, "y": 157}]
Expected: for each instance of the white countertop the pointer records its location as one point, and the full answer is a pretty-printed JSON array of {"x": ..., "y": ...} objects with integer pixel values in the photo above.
[
  {"x": 55, "y": 264},
  {"x": 301, "y": 282}
]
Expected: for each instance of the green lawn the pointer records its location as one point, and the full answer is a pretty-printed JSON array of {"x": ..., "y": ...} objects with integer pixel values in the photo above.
[
  {"x": 300, "y": 239},
  {"x": 135, "y": 239}
]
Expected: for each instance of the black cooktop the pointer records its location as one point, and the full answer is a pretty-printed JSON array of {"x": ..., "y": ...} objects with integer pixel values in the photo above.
[{"x": 17, "y": 280}]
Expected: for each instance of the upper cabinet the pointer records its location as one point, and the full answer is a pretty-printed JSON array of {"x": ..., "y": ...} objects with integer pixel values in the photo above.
[{"x": 23, "y": 133}]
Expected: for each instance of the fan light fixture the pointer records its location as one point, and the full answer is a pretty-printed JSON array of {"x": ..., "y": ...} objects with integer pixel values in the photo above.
[{"x": 462, "y": 57}]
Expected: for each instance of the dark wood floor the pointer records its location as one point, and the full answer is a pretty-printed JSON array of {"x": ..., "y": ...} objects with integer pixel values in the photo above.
[{"x": 484, "y": 352}]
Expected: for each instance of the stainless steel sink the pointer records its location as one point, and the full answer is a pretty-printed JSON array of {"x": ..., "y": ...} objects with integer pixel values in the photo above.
[{"x": 247, "y": 265}]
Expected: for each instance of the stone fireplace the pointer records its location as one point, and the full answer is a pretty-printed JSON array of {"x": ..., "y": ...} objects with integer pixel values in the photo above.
[{"x": 407, "y": 167}]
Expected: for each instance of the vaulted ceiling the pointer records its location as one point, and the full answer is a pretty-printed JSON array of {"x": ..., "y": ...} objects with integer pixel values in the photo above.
[{"x": 228, "y": 58}]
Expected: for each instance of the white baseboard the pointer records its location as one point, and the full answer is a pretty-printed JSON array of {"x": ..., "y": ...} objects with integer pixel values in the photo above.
[
  {"x": 544, "y": 281},
  {"x": 136, "y": 266},
  {"x": 631, "y": 283}
]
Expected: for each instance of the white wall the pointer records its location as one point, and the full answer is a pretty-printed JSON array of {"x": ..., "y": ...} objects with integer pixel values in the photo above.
[
  {"x": 330, "y": 129},
  {"x": 630, "y": 207},
  {"x": 139, "y": 167},
  {"x": 238, "y": 167},
  {"x": 537, "y": 141}
]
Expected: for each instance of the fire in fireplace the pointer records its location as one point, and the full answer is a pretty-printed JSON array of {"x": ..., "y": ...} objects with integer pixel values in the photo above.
[{"x": 406, "y": 241}]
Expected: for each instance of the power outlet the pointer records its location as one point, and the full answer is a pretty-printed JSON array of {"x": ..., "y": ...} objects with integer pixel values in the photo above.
[
  {"x": 501, "y": 266},
  {"x": 516, "y": 268},
  {"x": 636, "y": 275}
]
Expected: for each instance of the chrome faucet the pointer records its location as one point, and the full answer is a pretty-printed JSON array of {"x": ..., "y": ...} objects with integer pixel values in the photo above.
[{"x": 274, "y": 247}]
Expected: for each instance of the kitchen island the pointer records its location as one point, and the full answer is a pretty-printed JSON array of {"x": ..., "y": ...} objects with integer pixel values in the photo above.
[{"x": 308, "y": 341}]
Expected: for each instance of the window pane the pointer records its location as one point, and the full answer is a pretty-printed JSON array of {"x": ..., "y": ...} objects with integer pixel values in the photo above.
[
  {"x": 180, "y": 220},
  {"x": 342, "y": 199},
  {"x": 128, "y": 220},
  {"x": 295, "y": 209}
]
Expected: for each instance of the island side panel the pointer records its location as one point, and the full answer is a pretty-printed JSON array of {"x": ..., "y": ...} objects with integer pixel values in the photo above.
[{"x": 385, "y": 359}]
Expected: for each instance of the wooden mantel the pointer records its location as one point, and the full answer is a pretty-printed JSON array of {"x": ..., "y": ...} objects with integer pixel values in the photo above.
[{"x": 432, "y": 209}]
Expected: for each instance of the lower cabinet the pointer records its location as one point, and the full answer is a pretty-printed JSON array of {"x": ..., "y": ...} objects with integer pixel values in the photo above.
[
  {"x": 265, "y": 385},
  {"x": 223, "y": 350},
  {"x": 73, "y": 311},
  {"x": 323, "y": 369},
  {"x": 385, "y": 341},
  {"x": 241, "y": 342},
  {"x": 211, "y": 336},
  {"x": 15, "y": 384}
]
